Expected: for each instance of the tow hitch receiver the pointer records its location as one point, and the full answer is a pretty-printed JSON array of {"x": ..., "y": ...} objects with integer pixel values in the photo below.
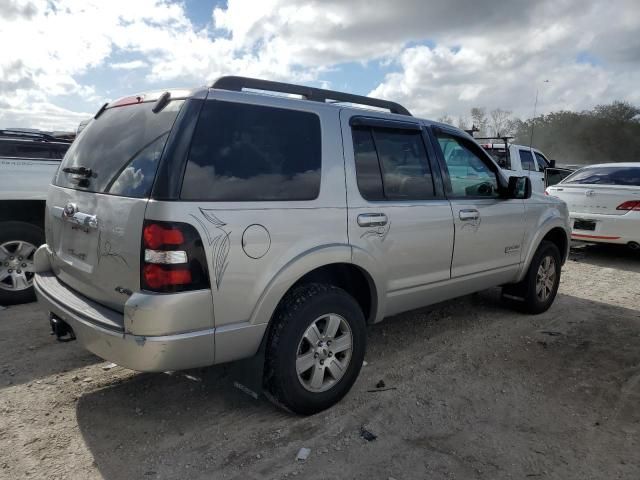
[{"x": 61, "y": 329}]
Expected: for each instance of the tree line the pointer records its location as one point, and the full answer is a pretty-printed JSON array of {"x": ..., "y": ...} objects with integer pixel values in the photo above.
[{"x": 606, "y": 133}]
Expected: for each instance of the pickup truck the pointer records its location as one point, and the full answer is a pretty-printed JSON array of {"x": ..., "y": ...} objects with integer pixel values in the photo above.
[
  {"x": 519, "y": 160},
  {"x": 28, "y": 161}
]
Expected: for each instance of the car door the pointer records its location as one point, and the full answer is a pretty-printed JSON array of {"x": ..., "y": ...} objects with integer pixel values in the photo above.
[
  {"x": 399, "y": 221},
  {"x": 530, "y": 167},
  {"x": 488, "y": 229}
]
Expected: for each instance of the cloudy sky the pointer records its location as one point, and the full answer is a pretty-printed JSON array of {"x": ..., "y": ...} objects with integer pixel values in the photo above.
[{"x": 61, "y": 59}]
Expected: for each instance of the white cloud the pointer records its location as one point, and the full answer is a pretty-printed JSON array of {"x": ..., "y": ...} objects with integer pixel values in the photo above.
[
  {"x": 132, "y": 65},
  {"x": 443, "y": 56}
]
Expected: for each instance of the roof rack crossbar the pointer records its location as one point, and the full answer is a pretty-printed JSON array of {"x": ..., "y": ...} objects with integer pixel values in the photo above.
[
  {"x": 494, "y": 138},
  {"x": 238, "y": 84}
]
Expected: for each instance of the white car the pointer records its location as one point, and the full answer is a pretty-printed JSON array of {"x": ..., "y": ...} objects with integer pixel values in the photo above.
[
  {"x": 519, "y": 160},
  {"x": 604, "y": 203}
]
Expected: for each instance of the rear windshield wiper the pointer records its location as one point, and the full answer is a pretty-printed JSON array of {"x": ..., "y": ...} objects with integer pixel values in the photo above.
[{"x": 83, "y": 171}]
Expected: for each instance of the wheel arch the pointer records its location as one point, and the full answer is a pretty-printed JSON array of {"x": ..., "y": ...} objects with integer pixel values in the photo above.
[
  {"x": 554, "y": 230},
  {"x": 329, "y": 264}
]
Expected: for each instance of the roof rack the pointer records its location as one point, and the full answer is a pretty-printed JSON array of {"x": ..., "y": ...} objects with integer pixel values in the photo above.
[
  {"x": 238, "y": 84},
  {"x": 33, "y": 135},
  {"x": 505, "y": 139}
]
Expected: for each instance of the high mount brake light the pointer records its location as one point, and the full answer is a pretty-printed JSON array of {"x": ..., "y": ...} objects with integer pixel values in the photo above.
[
  {"x": 121, "y": 102},
  {"x": 629, "y": 205},
  {"x": 172, "y": 258}
]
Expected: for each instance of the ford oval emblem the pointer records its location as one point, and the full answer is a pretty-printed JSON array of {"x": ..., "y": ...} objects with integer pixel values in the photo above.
[{"x": 69, "y": 210}]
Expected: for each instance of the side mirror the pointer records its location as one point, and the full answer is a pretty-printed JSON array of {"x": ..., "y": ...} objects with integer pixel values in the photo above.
[
  {"x": 552, "y": 163},
  {"x": 519, "y": 187}
]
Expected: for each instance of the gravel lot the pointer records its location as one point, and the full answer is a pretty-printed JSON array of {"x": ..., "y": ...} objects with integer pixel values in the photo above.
[{"x": 480, "y": 392}]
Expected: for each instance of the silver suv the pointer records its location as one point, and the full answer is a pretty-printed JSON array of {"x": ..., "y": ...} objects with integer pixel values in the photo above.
[{"x": 191, "y": 228}]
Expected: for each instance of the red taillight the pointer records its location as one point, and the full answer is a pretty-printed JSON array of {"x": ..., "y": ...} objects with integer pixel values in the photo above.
[
  {"x": 159, "y": 278},
  {"x": 172, "y": 258},
  {"x": 629, "y": 205},
  {"x": 155, "y": 236}
]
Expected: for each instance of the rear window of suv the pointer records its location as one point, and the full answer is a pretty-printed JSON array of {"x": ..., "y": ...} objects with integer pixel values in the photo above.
[
  {"x": 122, "y": 148},
  {"x": 245, "y": 152}
]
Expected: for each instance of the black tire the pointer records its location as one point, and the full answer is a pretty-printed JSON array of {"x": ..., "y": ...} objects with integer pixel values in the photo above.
[
  {"x": 526, "y": 290},
  {"x": 26, "y": 232},
  {"x": 297, "y": 311}
]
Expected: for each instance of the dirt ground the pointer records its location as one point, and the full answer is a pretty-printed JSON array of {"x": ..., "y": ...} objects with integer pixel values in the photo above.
[{"x": 479, "y": 392}]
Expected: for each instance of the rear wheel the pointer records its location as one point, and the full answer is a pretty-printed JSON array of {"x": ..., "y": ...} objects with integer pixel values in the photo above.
[
  {"x": 315, "y": 349},
  {"x": 18, "y": 243},
  {"x": 539, "y": 287}
]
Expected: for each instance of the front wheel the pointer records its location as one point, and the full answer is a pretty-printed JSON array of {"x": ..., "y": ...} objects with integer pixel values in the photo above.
[
  {"x": 315, "y": 349},
  {"x": 539, "y": 287}
]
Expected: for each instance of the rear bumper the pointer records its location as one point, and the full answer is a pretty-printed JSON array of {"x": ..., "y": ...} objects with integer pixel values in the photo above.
[
  {"x": 620, "y": 229},
  {"x": 111, "y": 335},
  {"x": 143, "y": 353}
]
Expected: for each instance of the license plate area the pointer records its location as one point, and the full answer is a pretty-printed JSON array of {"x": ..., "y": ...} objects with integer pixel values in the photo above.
[
  {"x": 588, "y": 225},
  {"x": 78, "y": 246}
]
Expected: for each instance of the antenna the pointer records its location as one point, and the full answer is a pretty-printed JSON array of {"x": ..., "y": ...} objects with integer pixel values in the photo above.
[{"x": 533, "y": 119}]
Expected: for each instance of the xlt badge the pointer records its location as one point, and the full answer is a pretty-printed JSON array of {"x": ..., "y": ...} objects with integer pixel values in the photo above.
[{"x": 511, "y": 249}]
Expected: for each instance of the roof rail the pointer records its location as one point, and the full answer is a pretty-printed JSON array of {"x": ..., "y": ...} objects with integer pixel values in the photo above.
[
  {"x": 238, "y": 84},
  {"x": 33, "y": 135}
]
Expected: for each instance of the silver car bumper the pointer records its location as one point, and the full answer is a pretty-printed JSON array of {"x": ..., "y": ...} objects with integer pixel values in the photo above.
[
  {"x": 155, "y": 333},
  {"x": 96, "y": 329}
]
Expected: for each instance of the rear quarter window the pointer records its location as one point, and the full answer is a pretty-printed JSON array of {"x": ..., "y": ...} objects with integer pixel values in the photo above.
[{"x": 245, "y": 152}]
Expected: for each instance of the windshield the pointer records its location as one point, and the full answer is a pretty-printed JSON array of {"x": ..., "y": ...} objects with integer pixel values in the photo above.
[
  {"x": 626, "y": 176},
  {"x": 121, "y": 148}
]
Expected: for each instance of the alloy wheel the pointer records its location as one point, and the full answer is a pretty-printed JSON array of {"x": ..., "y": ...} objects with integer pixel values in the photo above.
[
  {"x": 324, "y": 353},
  {"x": 545, "y": 278},
  {"x": 16, "y": 265}
]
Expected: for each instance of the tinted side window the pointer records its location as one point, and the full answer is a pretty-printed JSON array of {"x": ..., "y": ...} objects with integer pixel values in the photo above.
[
  {"x": 392, "y": 164},
  {"x": 468, "y": 174},
  {"x": 526, "y": 159},
  {"x": 367, "y": 166},
  {"x": 251, "y": 153},
  {"x": 406, "y": 174},
  {"x": 6, "y": 149},
  {"x": 32, "y": 151}
]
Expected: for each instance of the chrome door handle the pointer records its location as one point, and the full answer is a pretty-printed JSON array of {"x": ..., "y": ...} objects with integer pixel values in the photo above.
[
  {"x": 470, "y": 214},
  {"x": 372, "y": 219}
]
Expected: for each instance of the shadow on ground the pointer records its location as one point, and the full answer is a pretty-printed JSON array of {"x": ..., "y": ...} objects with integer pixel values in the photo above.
[
  {"x": 481, "y": 392},
  {"x": 28, "y": 352}
]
